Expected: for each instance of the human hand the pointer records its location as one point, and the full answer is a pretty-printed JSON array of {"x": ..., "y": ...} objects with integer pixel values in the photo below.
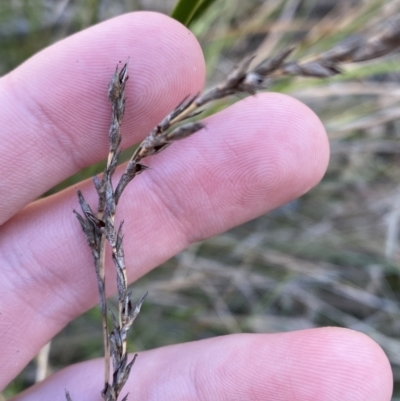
[{"x": 253, "y": 157}]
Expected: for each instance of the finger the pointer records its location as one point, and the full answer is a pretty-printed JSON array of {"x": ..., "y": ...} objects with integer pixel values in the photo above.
[
  {"x": 256, "y": 155},
  {"x": 54, "y": 111},
  {"x": 321, "y": 364}
]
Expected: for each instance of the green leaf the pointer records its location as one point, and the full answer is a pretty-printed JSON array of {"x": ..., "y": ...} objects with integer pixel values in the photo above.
[{"x": 186, "y": 11}]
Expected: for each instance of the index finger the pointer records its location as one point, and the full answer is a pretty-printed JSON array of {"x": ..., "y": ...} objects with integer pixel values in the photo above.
[{"x": 54, "y": 109}]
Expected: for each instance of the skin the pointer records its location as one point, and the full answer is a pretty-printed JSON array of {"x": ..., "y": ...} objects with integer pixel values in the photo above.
[{"x": 258, "y": 154}]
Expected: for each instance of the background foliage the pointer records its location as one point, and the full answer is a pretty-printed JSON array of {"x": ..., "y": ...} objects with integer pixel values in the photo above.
[{"x": 328, "y": 258}]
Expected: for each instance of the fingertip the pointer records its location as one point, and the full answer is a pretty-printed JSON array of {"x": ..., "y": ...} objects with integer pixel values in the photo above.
[
  {"x": 312, "y": 140},
  {"x": 316, "y": 364},
  {"x": 365, "y": 361},
  {"x": 291, "y": 135},
  {"x": 54, "y": 107},
  {"x": 265, "y": 151},
  {"x": 341, "y": 361}
]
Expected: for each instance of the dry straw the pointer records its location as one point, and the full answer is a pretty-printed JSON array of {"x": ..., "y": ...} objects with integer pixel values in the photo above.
[{"x": 99, "y": 227}]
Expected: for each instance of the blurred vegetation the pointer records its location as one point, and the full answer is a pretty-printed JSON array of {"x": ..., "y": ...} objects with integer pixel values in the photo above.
[
  {"x": 328, "y": 258},
  {"x": 188, "y": 11}
]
